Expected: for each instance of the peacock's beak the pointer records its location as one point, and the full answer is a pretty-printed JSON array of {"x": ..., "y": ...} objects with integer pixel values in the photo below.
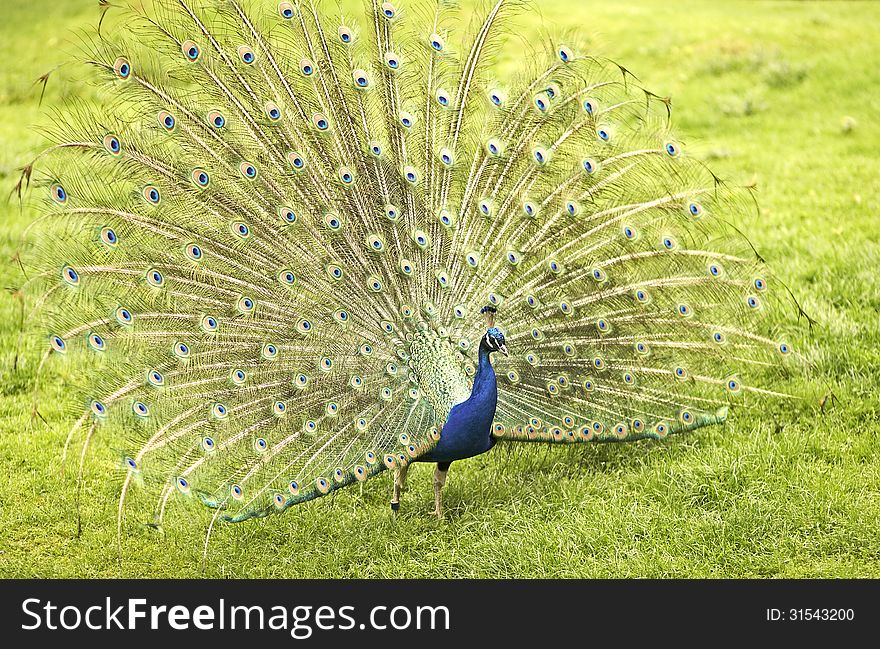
[{"x": 503, "y": 349}]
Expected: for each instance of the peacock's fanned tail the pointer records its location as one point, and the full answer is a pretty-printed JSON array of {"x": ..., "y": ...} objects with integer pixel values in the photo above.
[{"x": 274, "y": 206}]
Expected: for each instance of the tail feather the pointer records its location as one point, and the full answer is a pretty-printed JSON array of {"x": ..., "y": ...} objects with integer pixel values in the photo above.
[{"x": 242, "y": 241}]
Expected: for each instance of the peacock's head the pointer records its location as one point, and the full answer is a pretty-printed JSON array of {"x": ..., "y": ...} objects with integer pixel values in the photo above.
[{"x": 493, "y": 341}]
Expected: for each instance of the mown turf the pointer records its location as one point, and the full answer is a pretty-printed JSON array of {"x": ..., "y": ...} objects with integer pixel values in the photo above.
[{"x": 782, "y": 93}]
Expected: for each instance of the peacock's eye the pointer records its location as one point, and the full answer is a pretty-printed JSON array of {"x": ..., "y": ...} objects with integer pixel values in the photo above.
[
  {"x": 216, "y": 119},
  {"x": 155, "y": 278},
  {"x": 392, "y": 61},
  {"x": 190, "y": 50},
  {"x": 58, "y": 344},
  {"x": 388, "y": 10},
  {"x": 96, "y": 342},
  {"x": 140, "y": 409},
  {"x": 166, "y": 120},
  {"x": 246, "y": 54},
  {"x": 320, "y": 121},
  {"x": 201, "y": 178},
  {"x": 296, "y": 160},
  {"x": 286, "y": 10},
  {"x": 122, "y": 68},
  {"x": 98, "y": 408},
  {"x": 151, "y": 194},
  {"x": 112, "y": 144},
  {"x": 248, "y": 170},
  {"x": 59, "y": 194},
  {"x": 287, "y": 277},
  {"x": 109, "y": 238},
  {"x": 361, "y": 79},
  {"x": 272, "y": 111},
  {"x": 446, "y": 218}
]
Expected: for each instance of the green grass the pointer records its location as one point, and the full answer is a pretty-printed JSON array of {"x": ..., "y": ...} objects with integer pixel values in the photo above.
[{"x": 780, "y": 92}]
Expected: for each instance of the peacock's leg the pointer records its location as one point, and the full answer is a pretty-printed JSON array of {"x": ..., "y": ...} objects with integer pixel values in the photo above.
[
  {"x": 439, "y": 480},
  {"x": 399, "y": 484}
]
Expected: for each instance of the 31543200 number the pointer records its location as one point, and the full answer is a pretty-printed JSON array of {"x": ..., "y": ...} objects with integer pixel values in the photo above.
[{"x": 810, "y": 615}]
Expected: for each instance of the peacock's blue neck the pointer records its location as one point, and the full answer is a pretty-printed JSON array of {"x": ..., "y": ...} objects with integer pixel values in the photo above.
[
  {"x": 468, "y": 429},
  {"x": 485, "y": 389}
]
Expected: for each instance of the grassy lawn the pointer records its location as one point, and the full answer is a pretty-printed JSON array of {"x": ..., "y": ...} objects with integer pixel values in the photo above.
[{"x": 783, "y": 93}]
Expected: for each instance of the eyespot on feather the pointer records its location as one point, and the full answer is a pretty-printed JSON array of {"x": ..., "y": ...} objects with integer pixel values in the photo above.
[
  {"x": 273, "y": 112},
  {"x": 247, "y": 170},
  {"x": 151, "y": 194},
  {"x": 436, "y": 42},
  {"x": 392, "y": 61},
  {"x": 108, "y": 237},
  {"x": 190, "y": 50},
  {"x": 389, "y": 10},
  {"x": 296, "y": 160},
  {"x": 122, "y": 68},
  {"x": 361, "y": 79},
  {"x": 306, "y": 67},
  {"x": 246, "y": 54},
  {"x": 112, "y": 144},
  {"x": 565, "y": 53},
  {"x": 320, "y": 122},
  {"x": 166, "y": 120},
  {"x": 58, "y": 194},
  {"x": 285, "y": 9},
  {"x": 200, "y": 177},
  {"x": 216, "y": 119}
]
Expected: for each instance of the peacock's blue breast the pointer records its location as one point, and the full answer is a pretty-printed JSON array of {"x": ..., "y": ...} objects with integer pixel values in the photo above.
[{"x": 468, "y": 427}]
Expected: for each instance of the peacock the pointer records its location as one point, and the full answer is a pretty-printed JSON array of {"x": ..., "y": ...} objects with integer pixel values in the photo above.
[{"x": 295, "y": 245}]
